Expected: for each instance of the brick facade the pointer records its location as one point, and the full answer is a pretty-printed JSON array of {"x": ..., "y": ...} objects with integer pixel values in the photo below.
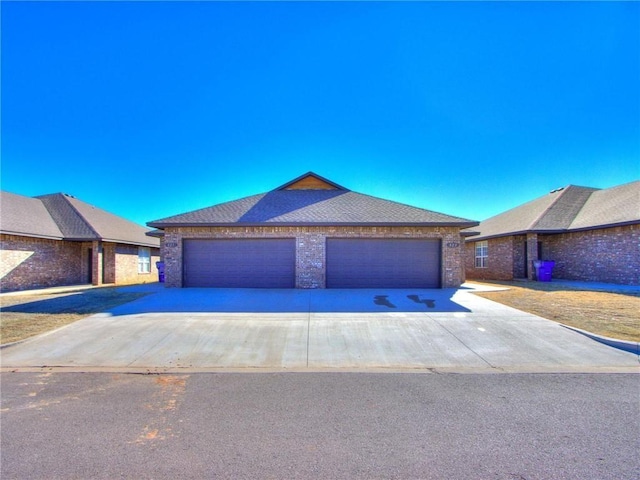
[
  {"x": 500, "y": 261},
  {"x": 310, "y": 247},
  {"x": 610, "y": 255},
  {"x": 38, "y": 263},
  {"x": 125, "y": 259},
  {"x": 28, "y": 263}
]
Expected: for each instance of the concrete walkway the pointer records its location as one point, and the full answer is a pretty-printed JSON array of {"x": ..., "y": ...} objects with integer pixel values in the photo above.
[{"x": 213, "y": 329}]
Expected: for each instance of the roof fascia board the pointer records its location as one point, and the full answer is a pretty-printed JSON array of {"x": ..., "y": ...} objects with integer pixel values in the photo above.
[
  {"x": 135, "y": 244},
  {"x": 31, "y": 235},
  {"x": 607, "y": 225},
  {"x": 323, "y": 224}
]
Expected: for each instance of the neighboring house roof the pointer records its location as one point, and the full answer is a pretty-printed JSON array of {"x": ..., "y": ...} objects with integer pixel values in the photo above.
[
  {"x": 311, "y": 200},
  {"x": 65, "y": 217},
  {"x": 611, "y": 206},
  {"x": 26, "y": 216},
  {"x": 567, "y": 209}
]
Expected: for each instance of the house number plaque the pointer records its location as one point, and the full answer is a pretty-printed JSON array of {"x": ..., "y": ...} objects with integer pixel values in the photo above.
[{"x": 453, "y": 245}]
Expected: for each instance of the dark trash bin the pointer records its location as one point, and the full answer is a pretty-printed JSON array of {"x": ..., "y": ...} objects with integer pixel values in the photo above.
[{"x": 160, "y": 266}]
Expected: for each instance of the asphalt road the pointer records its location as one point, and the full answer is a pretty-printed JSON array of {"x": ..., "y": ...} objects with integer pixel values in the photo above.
[{"x": 320, "y": 425}]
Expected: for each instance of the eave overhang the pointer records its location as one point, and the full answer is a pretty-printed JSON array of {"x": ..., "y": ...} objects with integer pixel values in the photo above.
[
  {"x": 31, "y": 235},
  {"x": 163, "y": 226}
]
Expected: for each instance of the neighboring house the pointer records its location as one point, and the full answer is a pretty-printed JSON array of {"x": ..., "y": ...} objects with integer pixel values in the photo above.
[
  {"x": 56, "y": 240},
  {"x": 591, "y": 234},
  {"x": 312, "y": 233}
]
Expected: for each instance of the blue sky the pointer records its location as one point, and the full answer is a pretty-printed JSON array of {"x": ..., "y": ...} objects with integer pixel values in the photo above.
[{"x": 149, "y": 109}]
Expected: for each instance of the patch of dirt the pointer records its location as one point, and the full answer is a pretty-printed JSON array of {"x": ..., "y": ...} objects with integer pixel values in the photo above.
[
  {"x": 610, "y": 314},
  {"x": 23, "y": 316}
]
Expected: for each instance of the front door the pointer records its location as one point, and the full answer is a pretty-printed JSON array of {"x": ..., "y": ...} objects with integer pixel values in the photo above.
[{"x": 90, "y": 265}]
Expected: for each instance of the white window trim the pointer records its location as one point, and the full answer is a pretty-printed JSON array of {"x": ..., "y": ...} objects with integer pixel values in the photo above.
[
  {"x": 482, "y": 253},
  {"x": 144, "y": 260}
]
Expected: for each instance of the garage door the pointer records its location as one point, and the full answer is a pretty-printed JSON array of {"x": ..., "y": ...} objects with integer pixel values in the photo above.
[
  {"x": 383, "y": 263},
  {"x": 245, "y": 263}
]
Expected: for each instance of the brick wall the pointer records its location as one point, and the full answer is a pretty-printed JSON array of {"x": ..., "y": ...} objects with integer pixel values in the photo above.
[
  {"x": 28, "y": 263},
  {"x": 126, "y": 265},
  {"x": 37, "y": 263},
  {"x": 609, "y": 255},
  {"x": 310, "y": 247},
  {"x": 500, "y": 260}
]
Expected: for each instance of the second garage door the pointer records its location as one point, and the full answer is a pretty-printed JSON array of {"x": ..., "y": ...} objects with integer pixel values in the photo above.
[
  {"x": 245, "y": 263},
  {"x": 383, "y": 263}
]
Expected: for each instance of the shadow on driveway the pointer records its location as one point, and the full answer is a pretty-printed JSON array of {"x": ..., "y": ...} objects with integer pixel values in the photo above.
[
  {"x": 230, "y": 300},
  {"x": 157, "y": 299}
]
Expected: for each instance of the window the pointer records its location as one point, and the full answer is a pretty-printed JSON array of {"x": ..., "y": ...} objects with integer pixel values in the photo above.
[
  {"x": 481, "y": 254},
  {"x": 144, "y": 260}
]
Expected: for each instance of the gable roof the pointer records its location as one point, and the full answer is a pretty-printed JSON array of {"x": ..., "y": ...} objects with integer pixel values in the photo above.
[
  {"x": 311, "y": 206},
  {"x": 61, "y": 216},
  {"x": 567, "y": 209},
  {"x": 310, "y": 181},
  {"x": 26, "y": 216}
]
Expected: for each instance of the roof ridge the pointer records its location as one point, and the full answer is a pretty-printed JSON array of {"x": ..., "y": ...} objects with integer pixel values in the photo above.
[
  {"x": 563, "y": 191},
  {"x": 57, "y": 215},
  {"x": 624, "y": 216},
  {"x": 82, "y": 217},
  {"x": 584, "y": 204},
  {"x": 539, "y": 218}
]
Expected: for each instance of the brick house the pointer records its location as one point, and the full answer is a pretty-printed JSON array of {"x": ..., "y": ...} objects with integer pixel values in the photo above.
[
  {"x": 591, "y": 234},
  {"x": 55, "y": 240},
  {"x": 312, "y": 233}
]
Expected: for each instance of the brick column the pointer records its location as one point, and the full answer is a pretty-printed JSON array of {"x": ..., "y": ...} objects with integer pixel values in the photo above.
[
  {"x": 532, "y": 254},
  {"x": 453, "y": 274},
  {"x": 172, "y": 256},
  {"x": 96, "y": 262},
  {"x": 310, "y": 260}
]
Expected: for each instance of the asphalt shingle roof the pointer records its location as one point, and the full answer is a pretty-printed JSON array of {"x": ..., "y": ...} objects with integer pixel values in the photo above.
[
  {"x": 567, "y": 209},
  {"x": 72, "y": 225},
  {"x": 20, "y": 215},
  {"x": 311, "y": 207},
  {"x": 614, "y": 205},
  {"x": 61, "y": 216}
]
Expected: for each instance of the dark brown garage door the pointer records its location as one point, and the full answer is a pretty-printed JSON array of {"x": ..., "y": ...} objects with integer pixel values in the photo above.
[
  {"x": 245, "y": 263},
  {"x": 383, "y": 263}
]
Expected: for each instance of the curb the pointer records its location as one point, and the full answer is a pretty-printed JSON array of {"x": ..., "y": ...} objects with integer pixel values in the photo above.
[{"x": 627, "y": 346}]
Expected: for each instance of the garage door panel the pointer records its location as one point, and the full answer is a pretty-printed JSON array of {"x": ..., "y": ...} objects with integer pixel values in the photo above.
[
  {"x": 239, "y": 263},
  {"x": 383, "y": 263}
]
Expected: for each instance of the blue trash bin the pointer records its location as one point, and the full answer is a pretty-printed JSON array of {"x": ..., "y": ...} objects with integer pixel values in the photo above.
[
  {"x": 545, "y": 271},
  {"x": 160, "y": 266}
]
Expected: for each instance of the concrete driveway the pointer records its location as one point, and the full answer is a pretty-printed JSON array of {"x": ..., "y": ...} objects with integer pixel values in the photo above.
[{"x": 214, "y": 329}]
